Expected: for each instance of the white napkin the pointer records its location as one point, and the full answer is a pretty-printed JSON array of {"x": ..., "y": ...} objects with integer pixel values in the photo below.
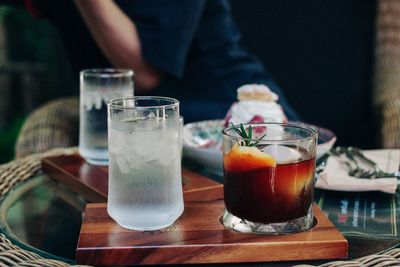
[{"x": 335, "y": 176}]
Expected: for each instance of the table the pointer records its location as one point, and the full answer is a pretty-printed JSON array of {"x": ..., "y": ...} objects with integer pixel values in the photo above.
[{"x": 53, "y": 225}]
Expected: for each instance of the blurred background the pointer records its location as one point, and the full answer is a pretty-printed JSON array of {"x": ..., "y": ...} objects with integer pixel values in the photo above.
[
  {"x": 33, "y": 70},
  {"x": 321, "y": 53}
]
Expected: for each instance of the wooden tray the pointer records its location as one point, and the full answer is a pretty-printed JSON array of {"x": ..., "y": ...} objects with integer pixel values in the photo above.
[
  {"x": 199, "y": 237},
  {"x": 91, "y": 181}
]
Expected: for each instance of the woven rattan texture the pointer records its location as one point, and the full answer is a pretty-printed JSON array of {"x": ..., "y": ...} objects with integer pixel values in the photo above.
[
  {"x": 387, "y": 72},
  {"x": 55, "y": 124},
  {"x": 12, "y": 255},
  {"x": 11, "y": 174},
  {"x": 19, "y": 170},
  {"x": 390, "y": 258}
]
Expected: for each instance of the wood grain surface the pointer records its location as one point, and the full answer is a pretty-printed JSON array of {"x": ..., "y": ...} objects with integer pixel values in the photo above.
[
  {"x": 199, "y": 237},
  {"x": 91, "y": 181}
]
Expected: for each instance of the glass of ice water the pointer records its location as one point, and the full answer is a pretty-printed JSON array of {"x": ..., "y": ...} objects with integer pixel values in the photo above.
[
  {"x": 97, "y": 86},
  {"x": 145, "y": 183}
]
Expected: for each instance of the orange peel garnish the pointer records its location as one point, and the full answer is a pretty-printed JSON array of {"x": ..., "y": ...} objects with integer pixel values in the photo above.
[{"x": 244, "y": 158}]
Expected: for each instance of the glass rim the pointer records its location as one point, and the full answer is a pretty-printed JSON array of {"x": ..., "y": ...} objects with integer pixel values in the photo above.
[
  {"x": 297, "y": 125},
  {"x": 111, "y": 103},
  {"x": 106, "y": 73}
]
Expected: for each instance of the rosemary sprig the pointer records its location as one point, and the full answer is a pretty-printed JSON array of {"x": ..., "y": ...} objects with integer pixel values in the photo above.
[{"x": 246, "y": 135}]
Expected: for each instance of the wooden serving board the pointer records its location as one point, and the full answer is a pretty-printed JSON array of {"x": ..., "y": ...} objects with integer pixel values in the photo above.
[
  {"x": 91, "y": 181},
  {"x": 199, "y": 237}
]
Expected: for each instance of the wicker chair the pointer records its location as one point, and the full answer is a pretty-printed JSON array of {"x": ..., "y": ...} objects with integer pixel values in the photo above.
[
  {"x": 12, "y": 174},
  {"x": 387, "y": 73},
  {"x": 55, "y": 124}
]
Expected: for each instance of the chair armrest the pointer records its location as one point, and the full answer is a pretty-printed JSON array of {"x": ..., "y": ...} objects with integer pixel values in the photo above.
[{"x": 55, "y": 124}]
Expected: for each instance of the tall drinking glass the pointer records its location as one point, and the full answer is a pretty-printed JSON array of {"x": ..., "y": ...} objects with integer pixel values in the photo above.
[
  {"x": 97, "y": 86},
  {"x": 145, "y": 183},
  {"x": 269, "y": 177}
]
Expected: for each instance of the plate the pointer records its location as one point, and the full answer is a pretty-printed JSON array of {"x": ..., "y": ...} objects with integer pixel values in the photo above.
[{"x": 202, "y": 142}]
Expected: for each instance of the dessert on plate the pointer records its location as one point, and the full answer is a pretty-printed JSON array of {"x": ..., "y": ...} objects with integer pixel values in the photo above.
[
  {"x": 202, "y": 140},
  {"x": 256, "y": 103}
]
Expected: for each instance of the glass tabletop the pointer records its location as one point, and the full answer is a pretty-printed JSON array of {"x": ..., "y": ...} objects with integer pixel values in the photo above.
[{"x": 46, "y": 216}]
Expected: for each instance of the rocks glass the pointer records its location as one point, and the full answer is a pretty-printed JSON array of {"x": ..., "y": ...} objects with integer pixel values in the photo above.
[
  {"x": 269, "y": 177},
  {"x": 97, "y": 86},
  {"x": 145, "y": 183}
]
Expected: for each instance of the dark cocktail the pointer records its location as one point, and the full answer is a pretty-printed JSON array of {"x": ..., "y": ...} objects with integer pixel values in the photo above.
[{"x": 269, "y": 177}]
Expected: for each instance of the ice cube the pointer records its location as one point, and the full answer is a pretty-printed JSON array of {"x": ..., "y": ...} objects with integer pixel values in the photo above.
[
  {"x": 282, "y": 154},
  {"x": 107, "y": 95},
  {"x": 123, "y": 164},
  {"x": 171, "y": 148},
  {"x": 97, "y": 100},
  {"x": 88, "y": 103},
  {"x": 118, "y": 141}
]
